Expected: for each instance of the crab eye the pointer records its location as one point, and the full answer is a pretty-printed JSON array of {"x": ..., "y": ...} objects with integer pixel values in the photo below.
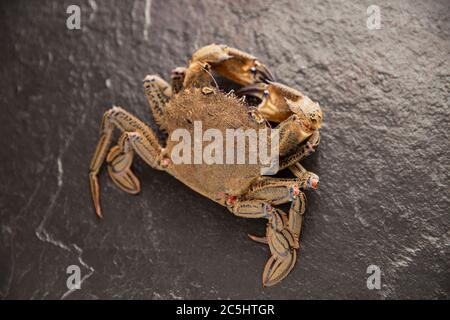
[
  {"x": 253, "y": 70},
  {"x": 266, "y": 93}
]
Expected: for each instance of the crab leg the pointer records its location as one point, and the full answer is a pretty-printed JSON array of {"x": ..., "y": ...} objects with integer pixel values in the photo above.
[
  {"x": 158, "y": 93},
  {"x": 137, "y": 135},
  {"x": 283, "y": 231},
  {"x": 280, "y": 191},
  {"x": 279, "y": 237},
  {"x": 98, "y": 158},
  {"x": 119, "y": 160},
  {"x": 177, "y": 77}
]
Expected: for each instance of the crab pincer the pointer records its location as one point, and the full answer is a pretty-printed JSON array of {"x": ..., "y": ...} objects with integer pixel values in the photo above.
[
  {"x": 231, "y": 63},
  {"x": 278, "y": 102}
]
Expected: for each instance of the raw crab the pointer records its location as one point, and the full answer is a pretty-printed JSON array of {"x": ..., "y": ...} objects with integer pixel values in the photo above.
[{"x": 194, "y": 96}]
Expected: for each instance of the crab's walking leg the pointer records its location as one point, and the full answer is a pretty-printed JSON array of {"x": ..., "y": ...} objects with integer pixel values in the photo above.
[
  {"x": 299, "y": 171},
  {"x": 279, "y": 237},
  {"x": 283, "y": 231},
  {"x": 177, "y": 78},
  {"x": 280, "y": 191},
  {"x": 158, "y": 93},
  {"x": 137, "y": 135},
  {"x": 106, "y": 129},
  {"x": 119, "y": 160}
]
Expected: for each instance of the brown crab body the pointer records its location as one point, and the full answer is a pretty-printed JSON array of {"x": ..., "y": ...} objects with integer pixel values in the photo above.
[
  {"x": 219, "y": 111},
  {"x": 218, "y": 145}
]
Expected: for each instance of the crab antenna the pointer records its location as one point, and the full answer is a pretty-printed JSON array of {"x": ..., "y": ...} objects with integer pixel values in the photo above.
[{"x": 215, "y": 82}]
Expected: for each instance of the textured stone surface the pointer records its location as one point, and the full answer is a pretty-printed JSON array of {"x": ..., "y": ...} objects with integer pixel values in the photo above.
[{"x": 383, "y": 161}]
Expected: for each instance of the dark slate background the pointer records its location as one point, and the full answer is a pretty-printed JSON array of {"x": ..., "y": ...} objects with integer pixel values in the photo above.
[{"x": 383, "y": 161}]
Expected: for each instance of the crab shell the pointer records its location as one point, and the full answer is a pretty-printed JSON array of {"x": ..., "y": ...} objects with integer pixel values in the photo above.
[{"x": 219, "y": 111}]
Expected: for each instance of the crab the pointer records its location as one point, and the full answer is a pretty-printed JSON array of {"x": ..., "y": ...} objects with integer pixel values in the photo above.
[{"x": 193, "y": 95}]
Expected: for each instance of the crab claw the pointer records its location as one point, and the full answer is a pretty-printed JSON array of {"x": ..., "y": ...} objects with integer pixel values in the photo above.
[
  {"x": 231, "y": 63},
  {"x": 211, "y": 54},
  {"x": 261, "y": 73},
  {"x": 242, "y": 67},
  {"x": 272, "y": 96},
  {"x": 278, "y": 102}
]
